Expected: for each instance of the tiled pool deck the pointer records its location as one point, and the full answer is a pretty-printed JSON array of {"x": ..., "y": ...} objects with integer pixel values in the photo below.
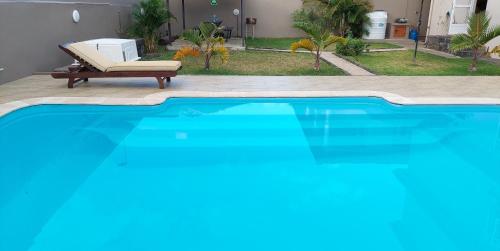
[{"x": 42, "y": 89}]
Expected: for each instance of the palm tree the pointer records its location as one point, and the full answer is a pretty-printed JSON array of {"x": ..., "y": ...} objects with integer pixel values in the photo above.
[
  {"x": 205, "y": 42},
  {"x": 319, "y": 34},
  {"x": 478, "y": 34}
]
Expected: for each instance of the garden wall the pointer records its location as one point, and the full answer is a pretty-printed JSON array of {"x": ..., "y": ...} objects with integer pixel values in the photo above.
[{"x": 274, "y": 18}]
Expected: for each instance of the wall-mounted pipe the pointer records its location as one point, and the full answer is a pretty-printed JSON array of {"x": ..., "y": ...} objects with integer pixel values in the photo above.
[{"x": 429, "y": 21}]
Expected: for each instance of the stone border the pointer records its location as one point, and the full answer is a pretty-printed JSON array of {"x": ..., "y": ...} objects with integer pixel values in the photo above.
[{"x": 159, "y": 98}]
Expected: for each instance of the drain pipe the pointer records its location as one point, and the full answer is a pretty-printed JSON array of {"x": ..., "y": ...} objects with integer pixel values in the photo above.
[
  {"x": 418, "y": 31},
  {"x": 429, "y": 21}
]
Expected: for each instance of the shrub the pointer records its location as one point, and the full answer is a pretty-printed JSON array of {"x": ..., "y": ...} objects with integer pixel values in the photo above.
[
  {"x": 347, "y": 16},
  {"x": 352, "y": 47},
  {"x": 148, "y": 17}
]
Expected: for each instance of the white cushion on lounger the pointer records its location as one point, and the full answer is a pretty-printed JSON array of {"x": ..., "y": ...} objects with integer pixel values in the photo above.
[
  {"x": 146, "y": 66},
  {"x": 91, "y": 55}
]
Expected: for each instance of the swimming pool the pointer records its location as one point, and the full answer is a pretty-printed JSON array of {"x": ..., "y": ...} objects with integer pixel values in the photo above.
[{"x": 251, "y": 174}]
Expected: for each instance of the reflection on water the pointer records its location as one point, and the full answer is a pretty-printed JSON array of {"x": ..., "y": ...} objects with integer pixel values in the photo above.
[{"x": 254, "y": 174}]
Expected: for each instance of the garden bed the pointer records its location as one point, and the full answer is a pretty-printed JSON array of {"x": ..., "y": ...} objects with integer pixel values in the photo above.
[
  {"x": 264, "y": 63},
  {"x": 399, "y": 63}
]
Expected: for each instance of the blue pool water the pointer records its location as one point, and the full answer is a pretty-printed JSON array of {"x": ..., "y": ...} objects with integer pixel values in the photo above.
[{"x": 251, "y": 174}]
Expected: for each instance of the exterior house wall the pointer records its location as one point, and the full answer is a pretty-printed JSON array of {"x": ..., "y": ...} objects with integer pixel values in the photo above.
[
  {"x": 439, "y": 19},
  {"x": 439, "y": 23},
  {"x": 406, "y": 8},
  {"x": 31, "y": 30},
  {"x": 493, "y": 9}
]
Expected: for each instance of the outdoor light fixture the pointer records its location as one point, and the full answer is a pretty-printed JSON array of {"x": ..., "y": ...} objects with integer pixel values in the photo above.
[
  {"x": 236, "y": 13},
  {"x": 76, "y": 16}
]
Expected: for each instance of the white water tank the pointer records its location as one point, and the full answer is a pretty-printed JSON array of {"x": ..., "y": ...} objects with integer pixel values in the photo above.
[
  {"x": 378, "y": 25},
  {"x": 118, "y": 50}
]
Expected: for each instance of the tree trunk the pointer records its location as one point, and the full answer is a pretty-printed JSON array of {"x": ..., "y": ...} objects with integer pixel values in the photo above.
[
  {"x": 473, "y": 66},
  {"x": 207, "y": 60},
  {"x": 317, "y": 64},
  {"x": 150, "y": 42}
]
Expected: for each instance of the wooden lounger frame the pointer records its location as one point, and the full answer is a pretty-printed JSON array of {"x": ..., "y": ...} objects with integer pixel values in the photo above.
[{"x": 85, "y": 71}]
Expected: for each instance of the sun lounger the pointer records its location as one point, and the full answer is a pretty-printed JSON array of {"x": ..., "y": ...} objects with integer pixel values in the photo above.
[{"x": 95, "y": 65}]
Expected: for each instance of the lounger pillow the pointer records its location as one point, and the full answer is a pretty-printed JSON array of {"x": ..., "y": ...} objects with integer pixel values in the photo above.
[
  {"x": 94, "y": 58},
  {"x": 146, "y": 66},
  {"x": 91, "y": 56}
]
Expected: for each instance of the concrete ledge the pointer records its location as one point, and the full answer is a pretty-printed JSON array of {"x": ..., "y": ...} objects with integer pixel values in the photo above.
[
  {"x": 40, "y": 89},
  {"x": 158, "y": 98}
]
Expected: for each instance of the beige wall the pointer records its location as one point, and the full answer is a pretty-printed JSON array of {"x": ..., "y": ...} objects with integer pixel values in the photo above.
[
  {"x": 404, "y": 8},
  {"x": 274, "y": 17},
  {"x": 30, "y": 33}
]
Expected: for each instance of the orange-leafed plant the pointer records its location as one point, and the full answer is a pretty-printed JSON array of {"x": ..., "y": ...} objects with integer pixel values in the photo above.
[
  {"x": 206, "y": 43},
  {"x": 186, "y": 52}
]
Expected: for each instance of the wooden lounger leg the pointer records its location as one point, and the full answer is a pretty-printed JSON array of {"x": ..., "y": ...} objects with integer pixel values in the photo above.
[
  {"x": 71, "y": 82},
  {"x": 161, "y": 82}
]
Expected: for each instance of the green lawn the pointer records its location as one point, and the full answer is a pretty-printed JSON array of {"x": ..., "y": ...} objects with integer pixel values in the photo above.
[
  {"x": 284, "y": 44},
  {"x": 271, "y": 43},
  {"x": 263, "y": 63},
  {"x": 399, "y": 63},
  {"x": 383, "y": 45}
]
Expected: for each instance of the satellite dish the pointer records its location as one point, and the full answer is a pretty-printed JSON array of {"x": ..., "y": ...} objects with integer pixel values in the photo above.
[
  {"x": 236, "y": 12},
  {"x": 76, "y": 16}
]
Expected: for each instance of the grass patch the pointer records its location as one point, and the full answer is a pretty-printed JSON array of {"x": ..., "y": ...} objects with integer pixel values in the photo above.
[
  {"x": 399, "y": 63},
  {"x": 382, "y": 45},
  {"x": 271, "y": 43},
  {"x": 262, "y": 63},
  {"x": 284, "y": 44}
]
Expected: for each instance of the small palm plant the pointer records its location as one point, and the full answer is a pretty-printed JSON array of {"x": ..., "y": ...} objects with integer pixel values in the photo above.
[
  {"x": 319, "y": 34},
  {"x": 205, "y": 43},
  {"x": 148, "y": 17},
  {"x": 478, "y": 34}
]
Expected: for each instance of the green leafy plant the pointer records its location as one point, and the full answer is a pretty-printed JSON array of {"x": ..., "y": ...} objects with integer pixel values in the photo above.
[
  {"x": 352, "y": 47},
  {"x": 478, "y": 34},
  {"x": 318, "y": 30},
  {"x": 205, "y": 43},
  {"x": 346, "y": 16},
  {"x": 148, "y": 17}
]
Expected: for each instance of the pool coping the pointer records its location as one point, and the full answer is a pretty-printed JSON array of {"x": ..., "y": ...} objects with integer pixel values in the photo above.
[{"x": 159, "y": 98}]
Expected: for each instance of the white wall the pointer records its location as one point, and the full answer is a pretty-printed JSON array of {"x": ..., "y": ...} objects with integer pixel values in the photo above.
[
  {"x": 493, "y": 10},
  {"x": 439, "y": 21}
]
